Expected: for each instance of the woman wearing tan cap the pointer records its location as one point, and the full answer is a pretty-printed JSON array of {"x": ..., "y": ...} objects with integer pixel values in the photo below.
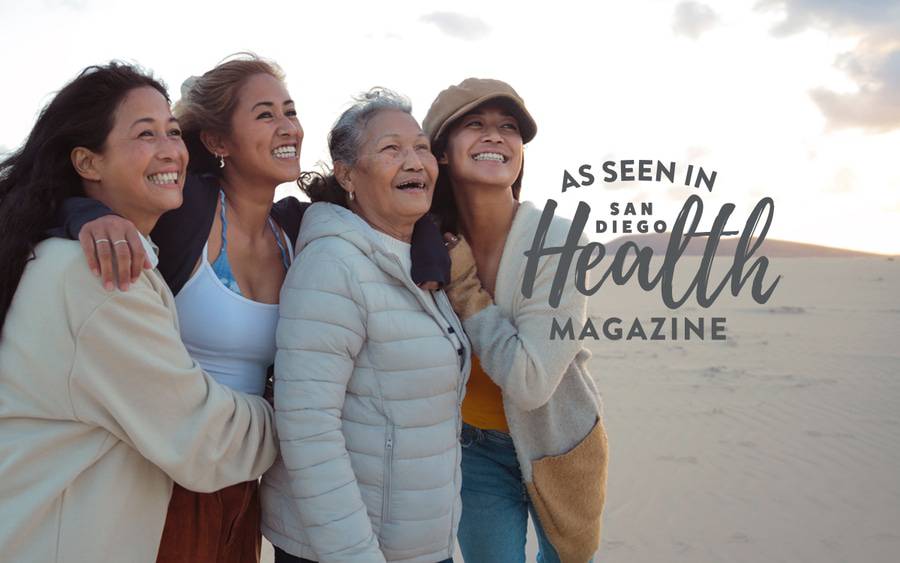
[{"x": 533, "y": 439}]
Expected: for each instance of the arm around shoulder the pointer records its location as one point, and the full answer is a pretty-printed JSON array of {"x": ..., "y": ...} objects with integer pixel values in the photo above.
[
  {"x": 132, "y": 375},
  {"x": 517, "y": 351}
]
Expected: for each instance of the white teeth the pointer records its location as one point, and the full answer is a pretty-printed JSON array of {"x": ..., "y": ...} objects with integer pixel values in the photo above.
[
  {"x": 163, "y": 178},
  {"x": 287, "y": 151},
  {"x": 497, "y": 157}
]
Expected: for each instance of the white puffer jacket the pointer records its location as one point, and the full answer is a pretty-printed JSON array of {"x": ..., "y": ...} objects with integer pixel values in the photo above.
[{"x": 369, "y": 378}]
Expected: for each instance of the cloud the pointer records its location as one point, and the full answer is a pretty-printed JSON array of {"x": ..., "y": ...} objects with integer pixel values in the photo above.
[
  {"x": 843, "y": 181},
  {"x": 874, "y": 64},
  {"x": 876, "y": 105},
  {"x": 458, "y": 25},
  {"x": 386, "y": 36},
  {"x": 70, "y": 4},
  {"x": 696, "y": 152},
  {"x": 881, "y": 16},
  {"x": 693, "y": 19}
]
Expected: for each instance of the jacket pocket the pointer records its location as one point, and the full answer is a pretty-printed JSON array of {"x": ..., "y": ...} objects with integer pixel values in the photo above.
[
  {"x": 388, "y": 469},
  {"x": 568, "y": 492}
]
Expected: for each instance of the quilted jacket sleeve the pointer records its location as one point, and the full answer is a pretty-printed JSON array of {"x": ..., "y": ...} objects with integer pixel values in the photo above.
[{"x": 320, "y": 332}]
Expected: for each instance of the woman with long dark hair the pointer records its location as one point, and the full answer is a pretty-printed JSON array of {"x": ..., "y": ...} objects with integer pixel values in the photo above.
[
  {"x": 533, "y": 439},
  {"x": 101, "y": 406},
  {"x": 224, "y": 253}
]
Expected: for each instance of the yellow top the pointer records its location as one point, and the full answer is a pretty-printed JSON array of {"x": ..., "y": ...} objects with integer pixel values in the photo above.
[{"x": 483, "y": 405}]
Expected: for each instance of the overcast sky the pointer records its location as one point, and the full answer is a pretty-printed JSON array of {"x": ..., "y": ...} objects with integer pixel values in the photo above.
[{"x": 794, "y": 99}]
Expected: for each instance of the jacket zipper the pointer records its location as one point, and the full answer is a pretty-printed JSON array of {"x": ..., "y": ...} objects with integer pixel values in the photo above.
[
  {"x": 388, "y": 466},
  {"x": 440, "y": 305}
]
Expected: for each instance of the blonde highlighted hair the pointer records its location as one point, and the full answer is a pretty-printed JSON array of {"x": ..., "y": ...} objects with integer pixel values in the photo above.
[{"x": 208, "y": 103}]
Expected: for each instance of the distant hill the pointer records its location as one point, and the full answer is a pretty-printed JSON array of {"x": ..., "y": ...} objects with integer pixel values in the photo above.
[{"x": 772, "y": 248}]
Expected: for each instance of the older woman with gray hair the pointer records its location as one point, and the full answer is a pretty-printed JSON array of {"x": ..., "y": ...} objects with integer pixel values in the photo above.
[{"x": 371, "y": 368}]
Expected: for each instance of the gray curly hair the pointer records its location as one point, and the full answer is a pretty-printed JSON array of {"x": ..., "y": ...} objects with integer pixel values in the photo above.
[
  {"x": 345, "y": 140},
  {"x": 346, "y": 135}
]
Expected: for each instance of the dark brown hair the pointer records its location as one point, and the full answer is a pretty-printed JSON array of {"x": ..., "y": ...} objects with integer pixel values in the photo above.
[
  {"x": 443, "y": 204},
  {"x": 39, "y": 176}
]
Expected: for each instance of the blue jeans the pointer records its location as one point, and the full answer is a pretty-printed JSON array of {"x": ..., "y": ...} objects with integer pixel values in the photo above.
[
  {"x": 495, "y": 502},
  {"x": 282, "y": 556}
]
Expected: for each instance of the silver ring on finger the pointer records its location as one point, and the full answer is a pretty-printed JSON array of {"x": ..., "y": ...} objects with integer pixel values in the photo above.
[
  {"x": 99, "y": 240},
  {"x": 123, "y": 241}
]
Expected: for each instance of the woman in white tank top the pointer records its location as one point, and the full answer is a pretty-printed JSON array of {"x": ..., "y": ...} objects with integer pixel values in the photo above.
[
  {"x": 239, "y": 349},
  {"x": 228, "y": 308}
]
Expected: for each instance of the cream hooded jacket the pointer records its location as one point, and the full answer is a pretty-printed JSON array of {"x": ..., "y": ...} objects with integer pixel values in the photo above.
[
  {"x": 369, "y": 377},
  {"x": 101, "y": 408}
]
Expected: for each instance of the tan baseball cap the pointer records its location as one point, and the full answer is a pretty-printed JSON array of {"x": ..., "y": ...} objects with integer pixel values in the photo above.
[{"x": 456, "y": 101}]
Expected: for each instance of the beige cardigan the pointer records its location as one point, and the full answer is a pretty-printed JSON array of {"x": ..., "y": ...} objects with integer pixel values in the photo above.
[
  {"x": 552, "y": 403},
  {"x": 101, "y": 408}
]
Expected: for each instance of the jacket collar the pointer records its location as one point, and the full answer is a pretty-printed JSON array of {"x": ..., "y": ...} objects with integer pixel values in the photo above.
[{"x": 151, "y": 249}]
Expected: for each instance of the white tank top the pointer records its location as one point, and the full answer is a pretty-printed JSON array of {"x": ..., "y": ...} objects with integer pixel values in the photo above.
[{"x": 230, "y": 336}]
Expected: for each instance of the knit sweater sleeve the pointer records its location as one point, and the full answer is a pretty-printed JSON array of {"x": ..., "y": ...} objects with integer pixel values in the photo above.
[
  {"x": 516, "y": 349},
  {"x": 132, "y": 376},
  {"x": 320, "y": 332}
]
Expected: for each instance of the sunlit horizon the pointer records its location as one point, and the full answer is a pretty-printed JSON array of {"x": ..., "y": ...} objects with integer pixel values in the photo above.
[{"x": 783, "y": 99}]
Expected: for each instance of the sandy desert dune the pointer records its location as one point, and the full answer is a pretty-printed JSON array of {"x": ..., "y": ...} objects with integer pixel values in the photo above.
[{"x": 779, "y": 444}]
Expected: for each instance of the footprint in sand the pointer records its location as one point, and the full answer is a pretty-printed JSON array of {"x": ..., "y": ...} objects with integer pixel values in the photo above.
[
  {"x": 614, "y": 544},
  {"x": 818, "y": 434},
  {"x": 831, "y": 544},
  {"x": 787, "y": 310},
  {"x": 682, "y": 547},
  {"x": 689, "y": 459}
]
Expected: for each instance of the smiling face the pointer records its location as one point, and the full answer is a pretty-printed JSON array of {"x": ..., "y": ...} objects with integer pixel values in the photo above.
[
  {"x": 393, "y": 178},
  {"x": 264, "y": 143},
  {"x": 140, "y": 171},
  {"x": 484, "y": 147}
]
